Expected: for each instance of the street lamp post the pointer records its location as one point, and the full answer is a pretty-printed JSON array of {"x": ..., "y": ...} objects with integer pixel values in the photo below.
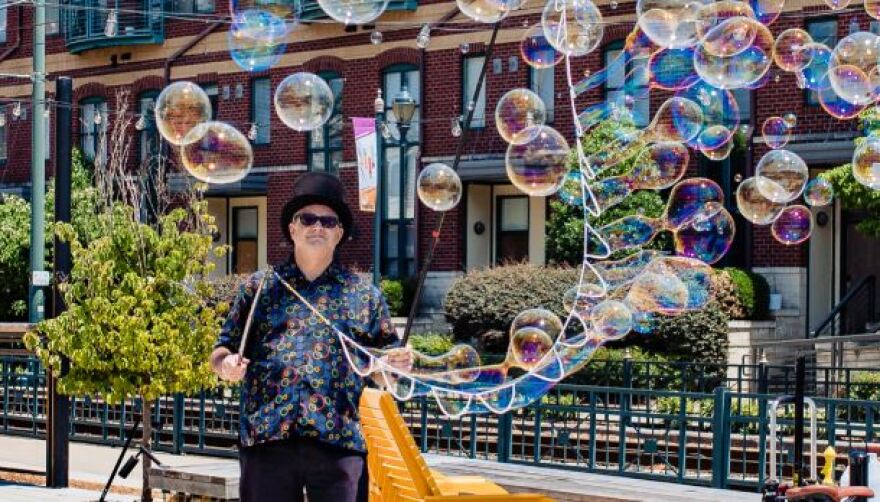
[{"x": 404, "y": 107}]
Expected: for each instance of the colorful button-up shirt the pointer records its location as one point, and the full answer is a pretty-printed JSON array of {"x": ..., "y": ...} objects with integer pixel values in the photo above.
[{"x": 299, "y": 382}]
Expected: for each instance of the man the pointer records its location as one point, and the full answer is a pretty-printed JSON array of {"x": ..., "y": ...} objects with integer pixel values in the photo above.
[{"x": 299, "y": 425}]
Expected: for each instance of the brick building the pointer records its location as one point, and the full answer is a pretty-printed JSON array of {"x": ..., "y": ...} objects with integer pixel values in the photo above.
[{"x": 494, "y": 221}]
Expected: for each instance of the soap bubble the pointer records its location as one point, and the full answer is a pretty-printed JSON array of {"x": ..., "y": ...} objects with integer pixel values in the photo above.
[
  {"x": 536, "y": 49},
  {"x": 542, "y": 319},
  {"x": 528, "y": 346},
  {"x": 303, "y": 101},
  {"x": 852, "y": 84},
  {"x": 788, "y": 50},
  {"x": 572, "y": 192},
  {"x": 818, "y": 192},
  {"x": 611, "y": 319},
  {"x": 706, "y": 238},
  {"x": 573, "y": 27},
  {"x": 483, "y": 11},
  {"x": 793, "y": 226},
  {"x": 669, "y": 23},
  {"x": 285, "y": 9},
  {"x": 439, "y": 187},
  {"x": 813, "y": 74},
  {"x": 767, "y": 11},
  {"x": 872, "y": 7},
  {"x": 353, "y": 11},
  {"x": 659, "y": 166},
  {"x": 776, "y": 132},
  {"x": 516, "y": 113},
  {"x": 660, "y": 292},
  {"x": 718, "y": 153},
  {"x": 672, "y": 69},
  {"x": 866, "y": 163},
  {"x": 790, "y": 120},
  {"x": 538, "y": 166},
  {"x": 834, "y": 104},
  {"x": 744, "y": 69},
  {"x": 781, "y": 175},
  {"x": 694, "y": 198},
  {"x": 179, "y": 108},
  {"x": 837, "y": 4},
  {"x": 215, "y": 152},
  {"x": 678, "y": 119},
  {"x": 256, "y": 39},
  {"x": 731, "y": 37},
  {"x": 753, "y": 206}
]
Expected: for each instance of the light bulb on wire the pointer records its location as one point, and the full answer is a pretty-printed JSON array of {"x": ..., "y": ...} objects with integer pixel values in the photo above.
[
  {"x": 141, "y": 123},
  {"x": 16, "y": 109},
  {"x": 111, "y": 26},
  {"x": 252, "y": 132}
]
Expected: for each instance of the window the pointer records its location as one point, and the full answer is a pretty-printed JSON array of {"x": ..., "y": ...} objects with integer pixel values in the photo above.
[
  {"x": 149, "y": 135},
  {"x": 245, "y": 233},
  {"x": 541, "y": 82},
  {"x": 398, "y": 241},
  {"x": 92, "y": 134},
  {"x": 513, "y": 229},
  {"x": 53, "y": 19},
  {"x": 190, "y": 6},
  {"x": 261, "y": 109},
  {"x": 325, "y": 142},
  {"x": 626, "y": 84},
  {"x": 823, "y": 31},
  {"x": 3, "y": 9},
  {"x": 213, "y": 94},
  {"x": 471, "y": 68}
]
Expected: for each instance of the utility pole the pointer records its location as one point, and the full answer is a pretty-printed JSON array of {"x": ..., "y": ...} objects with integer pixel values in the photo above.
[{"x": 39, "y": 278}]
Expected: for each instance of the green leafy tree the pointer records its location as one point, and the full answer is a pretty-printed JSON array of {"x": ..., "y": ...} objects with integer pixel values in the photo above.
[
  {"x": 15, "y": 222},
  {"x": 136, "y": 324},
  {"x": 565, "y": 226},
  {"x": 852, "y": 194}
]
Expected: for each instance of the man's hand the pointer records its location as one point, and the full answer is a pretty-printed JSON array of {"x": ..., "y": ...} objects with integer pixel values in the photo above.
[
  {"x": 230, "y": 367},
  {"x": 400, "y": 359}
]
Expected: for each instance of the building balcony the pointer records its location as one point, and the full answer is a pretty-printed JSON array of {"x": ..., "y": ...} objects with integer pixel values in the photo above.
[
  {"x": 311, "y": 9},
  {"x": 85, "y": 23}
]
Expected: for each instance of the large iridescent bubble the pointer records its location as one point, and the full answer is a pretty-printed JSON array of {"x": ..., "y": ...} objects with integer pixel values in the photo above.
[
  {"x": 818, "y": 192},
  {"x": 539, "y": 165},
  {"x": 793, "y": 226},
  {"x": 516, "y": 114},
  {"x": 747, "y": 66},
  {"x": 866, "y": 163},
  {"x": 781, "y": 175},
  {"x": 439, "y": 187},
  {"x": 536, "y": 49},
  {"x": 180, "y": 107},
  {"x": 753, "y": 206},
  {"x": 257, "y": 39},
  {"x": 303, "y": 101},
  {"x": 573, "y": 27},
  {"x": 670, "y": 23},
  {"x": 776, "y": 132},
  {"x": 215, "y": 152},
  {"x": 789, "y": 49}
]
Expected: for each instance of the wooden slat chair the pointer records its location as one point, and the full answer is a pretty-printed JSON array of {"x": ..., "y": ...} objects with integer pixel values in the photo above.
[{"x": 398, "y": 472}]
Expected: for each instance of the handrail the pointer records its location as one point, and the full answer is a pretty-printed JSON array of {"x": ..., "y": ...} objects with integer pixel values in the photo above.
[{"x": 868, "y": 282}]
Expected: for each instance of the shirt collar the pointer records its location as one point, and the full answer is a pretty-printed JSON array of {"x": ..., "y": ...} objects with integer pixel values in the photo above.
[{"x": 289, "y": 271}]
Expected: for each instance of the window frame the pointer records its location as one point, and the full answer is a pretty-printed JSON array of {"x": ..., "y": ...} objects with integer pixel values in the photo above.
[
  {"x": 213, "y": 92},
  {"x": 405, "y": 262},
  {"x": 618, "y": 45},
  {"x": 811, "y": 98},
  {"x": 258, "y": 141},
  {"x": 96, "y": 101},
  {"x": 150, "y": 123},
  {"x": 327, "y": 148},
  {"x": 467, "y": 93}
]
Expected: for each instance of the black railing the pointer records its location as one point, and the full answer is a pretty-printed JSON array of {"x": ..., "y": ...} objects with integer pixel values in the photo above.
[{"x": 852, "y": 315}]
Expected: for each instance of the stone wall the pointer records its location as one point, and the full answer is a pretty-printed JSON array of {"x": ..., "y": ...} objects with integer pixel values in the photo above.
[{"x": 790, "y": 320}]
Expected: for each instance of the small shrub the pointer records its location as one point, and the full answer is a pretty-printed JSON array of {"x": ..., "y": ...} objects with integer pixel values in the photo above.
[
  {"x": 431, "y": 344},
  {"x": 489, "y": 299},
  {"x": 392, "y": 289},
  {"x": 752, "y": 293},
  {"x": 724, "y": 294},
  {"x": 865, "y": 385}
]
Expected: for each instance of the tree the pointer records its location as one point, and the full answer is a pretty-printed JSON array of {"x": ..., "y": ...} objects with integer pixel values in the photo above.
[
  {"x": 565, "y": 226},
  {"x": 15, "y": 214},
  {"x": 137, "y": 322}
]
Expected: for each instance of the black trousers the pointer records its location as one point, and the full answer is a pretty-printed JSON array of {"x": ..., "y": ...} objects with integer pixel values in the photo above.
[{"x": 279, "y": 470}]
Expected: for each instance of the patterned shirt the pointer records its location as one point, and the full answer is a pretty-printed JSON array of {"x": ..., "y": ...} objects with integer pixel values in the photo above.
[{"x": 299, "y": 382}]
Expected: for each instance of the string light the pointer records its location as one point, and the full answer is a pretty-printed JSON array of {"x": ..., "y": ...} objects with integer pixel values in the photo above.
[
  {"x": 376, "y": 37},
  {"x": 252, "y": 132},
  {"x": 424, "y": 37},
  {"x": 141, "y": 123},
  {"x": 16, "y": 109},
  {"x": 456, "y": 127}
]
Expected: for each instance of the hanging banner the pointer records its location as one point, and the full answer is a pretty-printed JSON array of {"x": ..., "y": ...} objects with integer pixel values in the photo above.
[{"x": 365, "y": 142}]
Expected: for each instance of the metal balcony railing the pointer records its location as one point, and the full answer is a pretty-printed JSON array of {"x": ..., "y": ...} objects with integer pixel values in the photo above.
[{"x": 84, "y": 23}]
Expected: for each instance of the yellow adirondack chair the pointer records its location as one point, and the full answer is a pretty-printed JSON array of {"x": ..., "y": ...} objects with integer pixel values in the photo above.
[{"x": 398, "y": 472}]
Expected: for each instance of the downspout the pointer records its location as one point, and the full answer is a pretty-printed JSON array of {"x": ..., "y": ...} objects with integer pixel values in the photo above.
[
  {"x": 14, "y": 47},
  {"x": 189, "y": 45}
]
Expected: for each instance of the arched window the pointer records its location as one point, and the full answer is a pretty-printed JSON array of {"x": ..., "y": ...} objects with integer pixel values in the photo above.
[{"x": 325, "y": 143}]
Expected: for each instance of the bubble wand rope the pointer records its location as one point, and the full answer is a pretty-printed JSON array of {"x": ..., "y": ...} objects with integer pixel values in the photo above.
[{"x": 250, "y": 317}]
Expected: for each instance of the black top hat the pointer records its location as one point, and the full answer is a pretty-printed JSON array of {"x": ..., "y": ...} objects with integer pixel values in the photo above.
[{"x": 317, "y": 188}]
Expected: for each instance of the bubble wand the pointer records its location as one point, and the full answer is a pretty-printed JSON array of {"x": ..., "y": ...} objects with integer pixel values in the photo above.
[{"x": 250, "y": 317}]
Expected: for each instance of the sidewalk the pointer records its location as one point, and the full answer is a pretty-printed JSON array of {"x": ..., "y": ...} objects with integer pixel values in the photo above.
[{"x": 93, "y": 463}]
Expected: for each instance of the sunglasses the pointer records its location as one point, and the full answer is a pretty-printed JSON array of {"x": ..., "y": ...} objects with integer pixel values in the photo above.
[{"x": 309, "y": 219}]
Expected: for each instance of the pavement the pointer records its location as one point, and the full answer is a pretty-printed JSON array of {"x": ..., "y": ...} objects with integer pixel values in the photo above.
[{"x": 92, "y": 464}]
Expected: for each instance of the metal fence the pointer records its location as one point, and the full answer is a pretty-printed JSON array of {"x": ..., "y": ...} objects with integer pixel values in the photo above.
[{"x": 664, "y": 425}]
